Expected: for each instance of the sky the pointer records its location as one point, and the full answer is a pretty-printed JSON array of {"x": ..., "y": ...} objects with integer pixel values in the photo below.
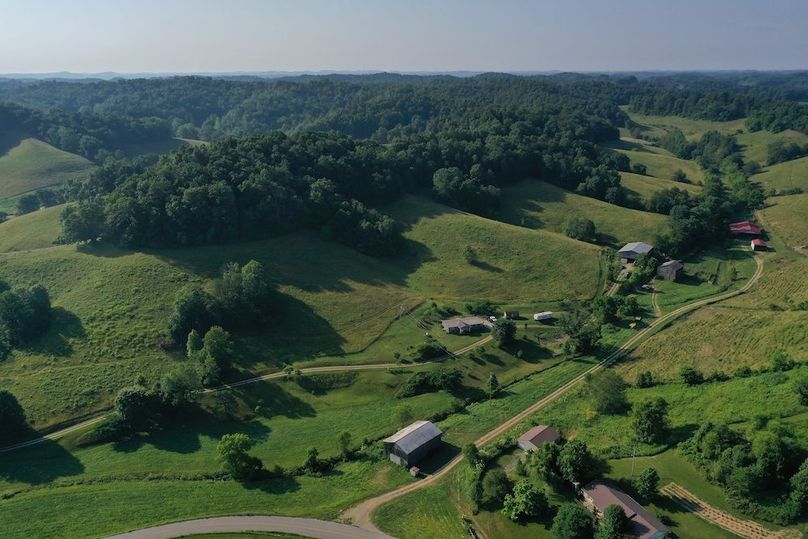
[{"x": 171, "y": 36}]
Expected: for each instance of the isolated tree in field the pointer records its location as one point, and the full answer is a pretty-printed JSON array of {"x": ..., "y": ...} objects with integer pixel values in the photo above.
[
  {"x": 137, "y": 406},
  {"x": 27, "y": 204},
  {"x": 504, "y": 332},
  {"x": 492, "y": 386},
  {"x": 651, "y": 421},
  {"x": 575, "y": 462},
  {"x": 12, "y": 417},
  {"x": 613, "y": 524},
  {"x": 232, "y": 453},
  {"x": 647, "y": 484},
  {"x": 801, "y": 388},
  {"x": 607, "y": 391},
  {"x": 580, "y": 228},
  {"x": 644, "y": 379},
  {"x": 344, "y": 441},
  {"x": 243, "y": 293},
  {"x": 469, "y": 254},
  {"x": 690, "y": 376},
  {"x": 496, "y": 486},
  {"x": 472, "y": 454},
  {"x": 526, "y": 503},
  {"x": 179, "y": 386},
  {"x": 572, "y": 521},
  {"x": 680, "y": 176}
]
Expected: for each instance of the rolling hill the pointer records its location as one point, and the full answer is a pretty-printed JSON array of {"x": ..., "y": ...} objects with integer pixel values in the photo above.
[
  {"x": 540, "y": 205},
  {"x": 34, "y": 230},
  {"x": 786, "y": 215},
  {"x": 645, "y": 186},
  {"x": 785, "y": 176},
  {"x": 33, "y": 164}
]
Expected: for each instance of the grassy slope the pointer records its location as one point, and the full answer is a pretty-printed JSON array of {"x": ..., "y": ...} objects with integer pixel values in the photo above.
[
  {"x": 783, "y": 176},
  {"x": 541, "y": 205},
  {"x": 513, "y": 262},
  {"x": 113, "y": 305},
  {"x": 645, "y": 186},
  {"x": 35, "y": 230},
  {"x": 34, "y": 164},
  {"x": 786, "y": 216}
]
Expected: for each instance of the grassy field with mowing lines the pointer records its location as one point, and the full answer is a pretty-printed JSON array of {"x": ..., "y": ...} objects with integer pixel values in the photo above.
[
  {"x": 784, "y": 176},
  {"x": 541, "y": 205},
  {"x": 34, "y": 164},
  {"x": 645, "y": 186},
  {"x": 788, "y": 217}
]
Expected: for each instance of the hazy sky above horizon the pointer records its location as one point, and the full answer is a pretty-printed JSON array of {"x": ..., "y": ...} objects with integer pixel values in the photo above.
[{"x": 130, "y": 36}]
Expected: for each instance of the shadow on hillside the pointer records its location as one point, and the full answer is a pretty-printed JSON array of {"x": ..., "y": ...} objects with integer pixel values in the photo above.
[
  {"x": 64, "y": 326},
  {"x": 39, "y": 464},
  {"x": 103, "y": 250},
  {"x": 270, "y": 399},
  {"x": 276, "y": 485},
  {"x": 485, "y": 266},
  {"x": 438, "y": 458},
  {"x": 185, "y": 438}
]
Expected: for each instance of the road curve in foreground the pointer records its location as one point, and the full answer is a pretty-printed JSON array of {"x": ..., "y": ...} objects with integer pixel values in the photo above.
[
  {"x": 307, "y": 527},
  {"x": 271, "y": 376},
  {"x": 361, "y": 515}
]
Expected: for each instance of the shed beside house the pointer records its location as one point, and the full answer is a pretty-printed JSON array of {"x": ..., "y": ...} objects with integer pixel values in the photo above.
[
  {"x": 511, "y": 315},
  {"x": 759, "y": 245},
  {"x": 599, "y": 495},
  {"x": 412, "y": 443},
  {"x": 670, "y": 270},
  {"x": 632, "y": 251},
  {"x": 538, "y": 435}
]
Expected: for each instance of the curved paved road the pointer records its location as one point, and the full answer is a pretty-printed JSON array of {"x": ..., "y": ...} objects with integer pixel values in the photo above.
[
  {"x": 307, "y": 527},
  {"x": 362, "y": 514}
]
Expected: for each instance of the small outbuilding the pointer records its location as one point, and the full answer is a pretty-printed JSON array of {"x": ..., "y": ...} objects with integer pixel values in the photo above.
[
  {"x": 670, "y": 270},
  {"x": 413, "y": 443},
  {"x": 538, "y": 435},
  {"x": 466, "y": 325},
  {"x": 759, "y": 245},
  {"x": 511, "y": 315},
  {"x": 630, "y": 252},
  {"x": 744, "y": 228},
  {"x": 642, "y": 524},
  {"x": 542, "y": 316}
]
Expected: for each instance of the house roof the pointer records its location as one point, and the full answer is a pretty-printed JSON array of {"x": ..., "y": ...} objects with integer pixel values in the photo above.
[
  {"x": 643, "y": 524},
  {"x": 539, "y": 435},
  {"x": 464, "y": 322},
  {"x": 414, "y": 436},
  {"x": 744, "y": 227},
  {"x": 674, "y": 264},
  {"x": 638, "y": 247}
]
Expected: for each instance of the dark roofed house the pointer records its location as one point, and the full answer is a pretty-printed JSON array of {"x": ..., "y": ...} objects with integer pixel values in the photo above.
[
  {"x": 412, "y": 443},
  {"x": 744, "y": 228},
  {"x": 466, "y": 325},
  {"x": 632, "y": 251},
  {"x": 670, "y": 270},
  {"x": 538, "y": 435},
  {"x": 642, "y": 524}
]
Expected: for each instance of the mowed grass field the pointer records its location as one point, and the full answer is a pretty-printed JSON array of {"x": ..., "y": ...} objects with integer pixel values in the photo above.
[
  {"x": 33, "y": 164},
  {"x": 659, "y": 163},
  {"x": 540, "y": 205},
  {"x": 35, "y": 230}
]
